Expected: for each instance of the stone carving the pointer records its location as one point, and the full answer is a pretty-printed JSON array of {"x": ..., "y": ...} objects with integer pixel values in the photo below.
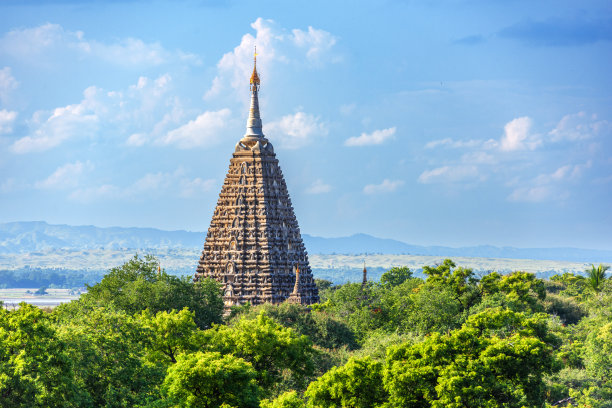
[{"x": 254, "y": 230}]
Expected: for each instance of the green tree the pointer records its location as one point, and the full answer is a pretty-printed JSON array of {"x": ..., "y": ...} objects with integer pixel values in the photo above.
[
  {"x": 139, "y": 284},
  {"x": 289, "y": 399},
  {"x": 596, "y": 276},
  {"x": 170, "y": 334},
  {"x": 273, "y": 350},
  {"x": 497, "y": 358},
  {"x": 324, "y": 329},
  {"x": 210, "y": 380},
  {"x": 357, "y": 384},
  {"x": 599, "y": 352},
  {"x": 35, "y": 369},
  {"x": 395, "y": 276},
  {"x": 436, "y": 309},
  {"x": 358, "y": 306},
  {"x": 461, "y": 281},
  {"x": 107, "y": 348},
  {"x": 574, "y": 285}
]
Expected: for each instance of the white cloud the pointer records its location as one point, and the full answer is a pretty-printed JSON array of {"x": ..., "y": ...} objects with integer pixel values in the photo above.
[
  {"x": 531, "y": 194},
  {"x": 190, "y": 188},
  {"x": 318, "y": 187},
  {"x": 205, "y": 130},
  {"x": 375, "y": 138},
  {"x": 450, "y": 174},
  {"x": 78, "y": 120},
  {"x": 148, "y": 186},
  {"x": 517, "y": 136},
  {"x": 65, "y": 176},
  {"x": 136, "y": 139},
  {"x": 136, "y": 108},
  {"x": 295, "y": 131},
  {"x": 7, "y": 84},
  {"x": 439, "y": 142},
  {"x": 578, "y": 126},
  {"x": 274, "y": 44},
  {"x": 387, "y": 186},
  {"x": 49, "y": 40},
  {"x": 459, "y": 144},
  {"x": 317, "y": 42},
  {"x": 7, "y": 118},
  {"x": 90, "y": 194},
  {"x": 549, "y": 186},
  {"x": 496, "y": 159},
  {"x": 563, "y": 173},
  {"x": 479, "y": 157}
]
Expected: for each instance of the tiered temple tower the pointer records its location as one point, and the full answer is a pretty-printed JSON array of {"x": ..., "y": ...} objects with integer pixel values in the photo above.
[{"x": 253, "y": 245}]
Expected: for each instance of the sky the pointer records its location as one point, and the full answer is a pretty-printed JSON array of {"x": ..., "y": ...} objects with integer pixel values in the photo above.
[{"x": 457, "y": 123}]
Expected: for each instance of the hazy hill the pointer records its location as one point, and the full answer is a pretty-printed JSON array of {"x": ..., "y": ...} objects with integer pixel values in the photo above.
[
  {"x": 40, "y": 236},
  {"x": 21, "y": 237}
]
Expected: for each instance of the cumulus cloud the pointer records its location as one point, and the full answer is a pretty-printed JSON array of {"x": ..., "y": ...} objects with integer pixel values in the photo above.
[
  {"x": 531, "y": 194},
  {"x": 318, "y": 187},
  {"x": 137, "y": 107},
  {"x": 150, "y": 185},
  {"x": 549, "y": 186},
  {"x": 274, "y": 44},
  {"x": 205, "y": 130},
  {"x": 90, "y": 194},
  {"x": 7, "y": 84},
  {"x": 296, "y": 130},
  {"x": 49, "y": 40},
  {"x": 317, "y": 43},
  {"x": 7, "y": 118},
  {"x": 460, "y": 144},
  {"x": 496, "y": 159},
  {"x": 66, "y": 176},
  {"x": 77, "y": 120},
  {"x": 450, "y": 174},
  {"x": 387, "y": 186},
  {"x": 578, "y": 126},
  {"x": 479, "y": 157},
  {"x": 517, "y": 137},
  {"x": 136, "y": 139},
  {"x": 193, "y": 187},
  {"x": 375, "y": 138}
]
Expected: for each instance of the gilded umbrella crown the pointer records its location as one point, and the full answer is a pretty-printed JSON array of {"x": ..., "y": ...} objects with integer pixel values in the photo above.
[{"x": 254, "y": 77}]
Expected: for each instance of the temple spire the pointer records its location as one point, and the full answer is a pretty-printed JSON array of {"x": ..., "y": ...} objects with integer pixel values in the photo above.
[{"x": 254, "y": 127}]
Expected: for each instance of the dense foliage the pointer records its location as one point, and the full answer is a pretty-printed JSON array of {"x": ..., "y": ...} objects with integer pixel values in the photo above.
[{"x": 144, "y": 338}]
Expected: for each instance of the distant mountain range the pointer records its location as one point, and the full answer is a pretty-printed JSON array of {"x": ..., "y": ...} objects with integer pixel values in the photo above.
[{"x": 37, "y": 236}]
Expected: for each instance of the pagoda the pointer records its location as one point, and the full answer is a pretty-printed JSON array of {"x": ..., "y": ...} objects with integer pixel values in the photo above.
[{"x": 253, "y": 246}]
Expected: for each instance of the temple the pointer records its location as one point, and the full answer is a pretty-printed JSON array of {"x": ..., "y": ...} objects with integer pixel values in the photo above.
[{"x": 253, "y": 246}]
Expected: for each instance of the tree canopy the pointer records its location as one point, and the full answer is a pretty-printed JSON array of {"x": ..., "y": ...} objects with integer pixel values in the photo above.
[{"x": 143, "y": 338}]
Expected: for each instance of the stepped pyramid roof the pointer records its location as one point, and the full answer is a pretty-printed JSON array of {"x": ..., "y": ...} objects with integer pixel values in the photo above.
[{"x": 254, "y": 246}]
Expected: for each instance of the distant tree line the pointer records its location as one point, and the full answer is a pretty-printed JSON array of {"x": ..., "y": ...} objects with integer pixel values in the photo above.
[{"x": 48, "y": 277}]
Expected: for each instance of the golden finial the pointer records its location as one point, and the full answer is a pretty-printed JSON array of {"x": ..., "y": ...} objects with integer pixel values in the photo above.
[{"x": 254, "y": 77}]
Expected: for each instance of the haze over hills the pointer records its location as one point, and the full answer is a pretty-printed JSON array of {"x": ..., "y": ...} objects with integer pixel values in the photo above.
[{"x": 33, "y": 236}]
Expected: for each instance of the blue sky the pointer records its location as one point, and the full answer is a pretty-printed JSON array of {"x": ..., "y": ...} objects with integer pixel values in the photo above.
[{"x": 437, "y": 123}]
